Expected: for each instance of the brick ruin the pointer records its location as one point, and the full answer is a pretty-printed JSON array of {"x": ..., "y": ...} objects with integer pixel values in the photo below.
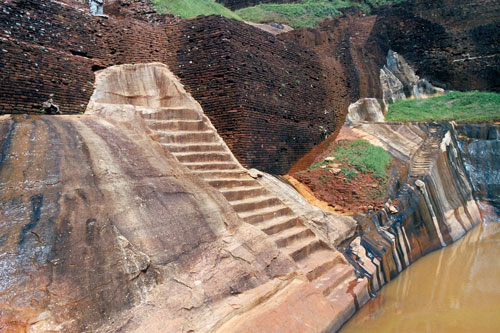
[
  {"x": 271, "y": 98},
  {"x": 267, "y": 96}
]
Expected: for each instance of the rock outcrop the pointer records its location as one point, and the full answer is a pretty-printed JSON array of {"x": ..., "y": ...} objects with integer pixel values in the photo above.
[
  {"x": 479, "y": 146},
  {"x": 399, "y": 81},
  {"x": 365, "y": 109},
  {"x": 109, "y": 214},
  {"x": 432, "y": 206}
]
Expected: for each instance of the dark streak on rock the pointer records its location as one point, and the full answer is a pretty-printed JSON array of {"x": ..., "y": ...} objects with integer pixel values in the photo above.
[
  {"x": 36, "y": 203},
  {"x": 5, "y": 143}
]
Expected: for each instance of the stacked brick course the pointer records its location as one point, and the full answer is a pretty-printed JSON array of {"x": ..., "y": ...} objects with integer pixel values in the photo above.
[
  {"x": 266, "y": 96},
  {"x": 271, "y": 98}
]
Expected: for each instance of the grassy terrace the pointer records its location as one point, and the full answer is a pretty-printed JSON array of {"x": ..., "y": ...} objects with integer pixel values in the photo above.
[
  {"x": 306, "y": 13},
  {"x": 472, "y": 106},
  {"x": 297, "y": 15},
  {"x": 358, "y": 156},
  {"x": 193, "y": 8}
]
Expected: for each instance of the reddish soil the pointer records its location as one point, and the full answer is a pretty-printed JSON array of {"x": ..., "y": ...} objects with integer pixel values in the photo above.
[{"x": 360, "y": 194}]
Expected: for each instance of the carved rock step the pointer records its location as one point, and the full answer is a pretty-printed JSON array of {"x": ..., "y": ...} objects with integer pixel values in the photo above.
[
  {"x": 255, "y": 203},
  {"x": 264, "y": 214},
  {"x": 334, "y": 278},
  {"x": 242, "y": 192},
  {"x": 303, "y": 247},
  {"x": 173, "y": 114},
  {"x": 196, "y": 147},
  {"x": 225, "y": 183},
  {"x": 239, "y": 174},
  {"x": 204, "y": 157},
  {"x": 320, "y": 262},
  {"x": 177, "y": 125},
  {"x": 278, "y": 224},
  {"x": 289, "y": 236},
  {"x": 211, "y": 166},
  {"x": 186, "y": 137}
]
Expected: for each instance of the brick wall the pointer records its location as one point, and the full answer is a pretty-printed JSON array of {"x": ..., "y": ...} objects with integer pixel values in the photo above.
[
  {"x": 266, "y": 96},
  {"x": 272, "y": 99},
  {"x": 455, "y": 45}
]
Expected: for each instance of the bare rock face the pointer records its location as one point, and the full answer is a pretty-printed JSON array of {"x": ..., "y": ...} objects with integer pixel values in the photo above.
[
  {"x": 365, "y": 109},
  {"x": 96, "y": 218},
  {"x": 399, "y": 81}
]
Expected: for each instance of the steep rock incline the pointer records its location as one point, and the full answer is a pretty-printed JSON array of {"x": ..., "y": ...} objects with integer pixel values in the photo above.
[
  {"x": 94, "y": 216},
  {"x": 479, "y": 146},
  {"x": 177, "y": 122},
  {"x": 434, "y": 203}
]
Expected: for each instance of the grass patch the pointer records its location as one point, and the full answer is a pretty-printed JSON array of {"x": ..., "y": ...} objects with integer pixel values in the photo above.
[
  {"x": 192, "y": 8},
  {"x": 364, "y": 157},
  {"x": 472, "y": 106},
  {"x": 306, "y": 13},
  {"x": 296, "y": 15},
  {"x": 358, "y": 156}
]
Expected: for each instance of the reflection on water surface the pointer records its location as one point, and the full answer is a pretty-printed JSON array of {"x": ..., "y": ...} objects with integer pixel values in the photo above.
[{"x": 456, "y": 289}]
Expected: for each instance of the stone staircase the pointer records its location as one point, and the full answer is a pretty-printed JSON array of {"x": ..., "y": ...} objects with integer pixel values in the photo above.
[
  {"x": 192, "y": 139},
  {"x": 426, "y": 155}
]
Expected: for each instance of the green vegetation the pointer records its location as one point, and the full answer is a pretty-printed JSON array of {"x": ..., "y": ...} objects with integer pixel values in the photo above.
[
  {"x": 306, "y": 13},
  {"x": 193, "y": 8},
  {"x": 297, "y": 15},
  {"x": 364, "y": 157},
  {"x": 349, "y": 172},
  {"x": 358, "y": 156},
  {"x": 472, "y": 106}
]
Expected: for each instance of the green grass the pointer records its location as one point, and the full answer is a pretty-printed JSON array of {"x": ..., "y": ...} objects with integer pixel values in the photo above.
[
  {"x": 296, "y": 15},
  {"x": 364, "y": 157},
  {"x": 193, "y": 8},
  {"x": 361, "y": 156},
  {"x": 307, "y": 13},
  {"x": 472, "y": 106}
]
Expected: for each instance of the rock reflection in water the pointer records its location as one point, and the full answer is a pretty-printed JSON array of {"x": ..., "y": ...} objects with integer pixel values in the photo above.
[{"x": 456, "y": 289}]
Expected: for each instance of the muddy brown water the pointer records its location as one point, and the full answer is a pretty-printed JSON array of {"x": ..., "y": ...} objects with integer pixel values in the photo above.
[{"x": 456, "y": 289}]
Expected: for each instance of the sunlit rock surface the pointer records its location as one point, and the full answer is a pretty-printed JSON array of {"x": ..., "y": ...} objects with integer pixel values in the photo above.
[
  {"x": 432, "y": 206},
  {"x": 95, "y": 215},
  {"x": 399, "y": 81},
  {"x": 105, "y": 229},
  {"x": 365, "y": 109}
]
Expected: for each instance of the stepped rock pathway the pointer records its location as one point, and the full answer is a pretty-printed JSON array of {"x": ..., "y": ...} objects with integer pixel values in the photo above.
[
  {"x": 189, "y": 135},
  {"x": 424, "y": 159}
]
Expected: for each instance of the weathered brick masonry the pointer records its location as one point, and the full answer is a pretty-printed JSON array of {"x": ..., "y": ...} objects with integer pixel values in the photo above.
[
  {"x": 267, "y": 96},
  {"x": 454, "y": 43}
]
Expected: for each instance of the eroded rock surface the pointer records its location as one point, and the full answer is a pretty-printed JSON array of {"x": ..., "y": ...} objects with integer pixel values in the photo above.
[
  {"x": 399, "y": 81},
  {"x": 365, "y": 109},
  {"x": 118, "y": 220}
]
